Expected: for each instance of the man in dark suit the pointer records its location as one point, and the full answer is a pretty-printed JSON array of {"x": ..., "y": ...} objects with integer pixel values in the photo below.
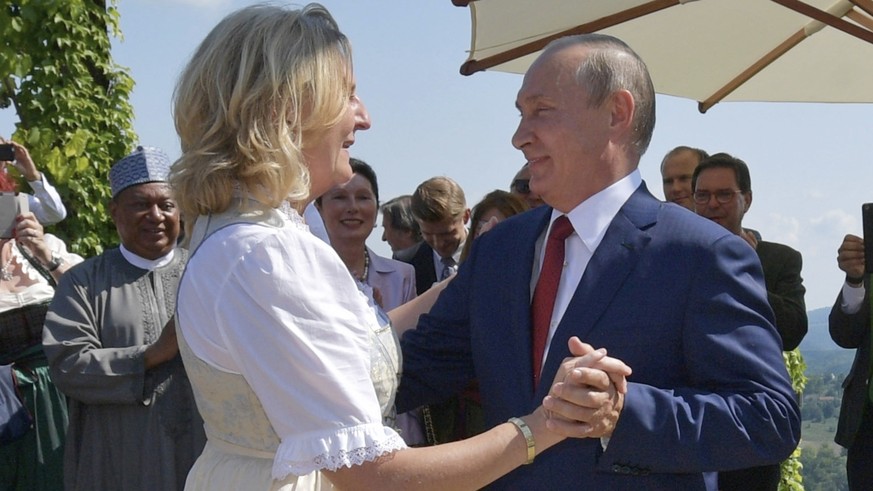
[
  {"x": 440, "y": 208},
  {"x": 677, "y": 298},
  {"x": 421, "y": 258},
  {"x": 399, "y": 228},
  {"x": 722, "y": 192},
  {"x": 849, "y": 325}
]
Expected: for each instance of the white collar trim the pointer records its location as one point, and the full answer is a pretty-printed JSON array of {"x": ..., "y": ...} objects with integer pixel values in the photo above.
[{"x": 147, "y": 264}]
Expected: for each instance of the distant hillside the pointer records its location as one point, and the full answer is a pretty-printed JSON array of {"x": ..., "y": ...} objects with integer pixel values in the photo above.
[
  {"x": 818, "y": 338},
  {"x": 822, "y": 355}
]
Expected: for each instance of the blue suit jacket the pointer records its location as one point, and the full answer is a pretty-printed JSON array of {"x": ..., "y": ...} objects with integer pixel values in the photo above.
[{"x": 678, "y": 298}]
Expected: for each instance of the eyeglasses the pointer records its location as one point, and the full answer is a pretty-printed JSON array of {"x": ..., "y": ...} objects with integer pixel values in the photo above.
[
  {"x": 521, "y": 186},
  {"x": 724, "y": 196}
]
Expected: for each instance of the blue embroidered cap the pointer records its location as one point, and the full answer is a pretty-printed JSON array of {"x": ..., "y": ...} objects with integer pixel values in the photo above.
[{"x": 145, "y": 164}]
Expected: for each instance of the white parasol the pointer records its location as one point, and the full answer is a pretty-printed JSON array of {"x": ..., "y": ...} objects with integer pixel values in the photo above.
[{"x": 706, "y": 50}]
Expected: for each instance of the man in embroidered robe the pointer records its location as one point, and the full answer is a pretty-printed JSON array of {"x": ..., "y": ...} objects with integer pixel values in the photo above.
[{"x": 111, "y": 345}]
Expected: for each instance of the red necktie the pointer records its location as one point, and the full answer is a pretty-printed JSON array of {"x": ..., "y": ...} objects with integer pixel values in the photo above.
[{"x": 547, "y": 289}]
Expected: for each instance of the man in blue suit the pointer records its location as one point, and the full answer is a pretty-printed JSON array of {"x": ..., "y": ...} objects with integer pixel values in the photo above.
[{"x": 677, "y": 298}]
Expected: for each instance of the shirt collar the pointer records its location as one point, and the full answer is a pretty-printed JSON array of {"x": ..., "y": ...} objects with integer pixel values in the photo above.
[
  {"x": 147, "y": 264},
  {"x": 592, "y": 217},
  {"x": 438, "y": 260}
]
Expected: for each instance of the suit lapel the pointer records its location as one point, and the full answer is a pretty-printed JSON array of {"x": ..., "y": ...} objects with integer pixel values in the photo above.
[
  {"x": 520, "y": 318},
  {"x": 425, "y": 275},
  {"x": 609, "y": 268}
]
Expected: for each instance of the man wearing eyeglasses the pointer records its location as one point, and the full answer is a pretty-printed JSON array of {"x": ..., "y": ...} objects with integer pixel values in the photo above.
[
  {"x": 723, "y": 193},
  {"x": 520, "y": 187}
]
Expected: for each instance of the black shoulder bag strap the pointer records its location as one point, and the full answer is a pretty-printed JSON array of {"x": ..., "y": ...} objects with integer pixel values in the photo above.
[{"x": 38, "y": 266}]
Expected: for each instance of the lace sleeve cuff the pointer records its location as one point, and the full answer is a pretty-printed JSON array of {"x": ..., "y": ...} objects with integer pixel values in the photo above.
[{"x": 346, "y": 447}]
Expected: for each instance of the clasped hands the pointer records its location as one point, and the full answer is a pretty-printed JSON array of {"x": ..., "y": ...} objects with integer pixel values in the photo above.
[{"x": 587, "y": 394}]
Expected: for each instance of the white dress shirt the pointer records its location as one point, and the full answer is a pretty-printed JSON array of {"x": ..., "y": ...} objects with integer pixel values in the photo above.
[
  {"x": 853, "y": 297},
  {"x": 590, "y": 220},
  {"x": 438, "y": 264},
  {"x": 45, "y": 202}
]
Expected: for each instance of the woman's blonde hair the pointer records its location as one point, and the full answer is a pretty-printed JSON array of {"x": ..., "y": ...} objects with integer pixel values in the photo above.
[{"x": 265, "y": 84}]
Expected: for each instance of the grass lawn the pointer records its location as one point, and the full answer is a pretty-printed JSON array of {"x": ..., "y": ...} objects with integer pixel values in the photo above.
[{"x": 818, "y": 434}]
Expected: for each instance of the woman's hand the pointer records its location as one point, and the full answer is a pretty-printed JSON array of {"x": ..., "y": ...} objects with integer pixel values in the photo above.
[
  {"x": 29, "y": 233},
  {"x": 23, "y": 162}
]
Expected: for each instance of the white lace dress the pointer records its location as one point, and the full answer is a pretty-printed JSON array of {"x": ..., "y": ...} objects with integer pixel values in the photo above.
[{"x": 291, "y": 368}]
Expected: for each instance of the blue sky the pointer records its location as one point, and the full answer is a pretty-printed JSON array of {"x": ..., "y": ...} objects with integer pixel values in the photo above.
[{"x": 810, "y": 163}]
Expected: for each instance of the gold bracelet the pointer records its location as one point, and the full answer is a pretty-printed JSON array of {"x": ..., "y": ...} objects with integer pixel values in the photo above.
[{"x": 528, "y": 438}]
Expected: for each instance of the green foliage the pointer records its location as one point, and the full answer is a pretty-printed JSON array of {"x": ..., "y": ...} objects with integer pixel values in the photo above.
[
  {"x": 792, "y": 468},
  {"x": 72, "y": 102},
  {"x": 796, "y": 369},
  {"x": 823, "y": 464},
  {"x": 824, "y": 470}
]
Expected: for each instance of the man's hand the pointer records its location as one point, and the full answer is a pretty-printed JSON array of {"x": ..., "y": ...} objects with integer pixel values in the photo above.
[
  {"x": 587, "y": 396},
  {"x": 164, "y": 349},
  {"x": 750, "y": 238},
  {"x": 850, "y": 256}
]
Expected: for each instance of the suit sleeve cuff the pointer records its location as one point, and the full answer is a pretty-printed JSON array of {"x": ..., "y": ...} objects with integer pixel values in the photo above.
[{"x": 853, "y": 298}]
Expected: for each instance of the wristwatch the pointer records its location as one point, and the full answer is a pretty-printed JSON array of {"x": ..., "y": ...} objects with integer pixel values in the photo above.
[{"x": 56, "y": 262}]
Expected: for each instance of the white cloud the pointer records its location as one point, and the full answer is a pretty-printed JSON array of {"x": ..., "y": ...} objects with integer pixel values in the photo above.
[
  {"x": 833, "y": 222},
  {"x": 814, "y": 194},
  {"x": 816, "y": 236},
  {"x": 782, "y": 228}
]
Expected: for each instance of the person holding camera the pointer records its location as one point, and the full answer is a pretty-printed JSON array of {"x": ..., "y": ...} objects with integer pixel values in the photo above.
[
  {"x": 31, "y": 262},
  {"x": 849, "y": 326},
  {"x": 45, "y": 202}
]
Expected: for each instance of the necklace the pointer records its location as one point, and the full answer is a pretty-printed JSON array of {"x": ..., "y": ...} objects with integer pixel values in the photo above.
[
  {"x": 363, "y": 277},
  {"x": 5, "y": 272}
]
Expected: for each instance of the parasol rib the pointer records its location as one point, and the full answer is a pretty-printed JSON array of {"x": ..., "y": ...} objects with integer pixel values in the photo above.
[
  {"x": 472, "y": 66},
  {"x": 861, "y": 19},
  {"x": 865, "y": 5},
  {"x": 831, "y": 20},
  {"x": 753, "y": 70},
  {"x": 784, "y": 47}
]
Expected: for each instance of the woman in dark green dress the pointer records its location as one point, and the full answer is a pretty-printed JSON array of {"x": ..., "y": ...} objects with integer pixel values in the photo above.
[{"x": 30, "y": 264}]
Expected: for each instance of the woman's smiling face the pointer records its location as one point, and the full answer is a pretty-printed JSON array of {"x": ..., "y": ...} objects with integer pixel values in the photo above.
[
  {"x": 349, "y": 210},
  {"x": 328, "y": 159}
]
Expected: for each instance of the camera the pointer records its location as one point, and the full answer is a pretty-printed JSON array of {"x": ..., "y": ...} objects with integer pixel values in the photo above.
[
  {"x": 7, "y": 152},
  {"x": 867, "y": 220},
  {"x": 11, "y": 205}
]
